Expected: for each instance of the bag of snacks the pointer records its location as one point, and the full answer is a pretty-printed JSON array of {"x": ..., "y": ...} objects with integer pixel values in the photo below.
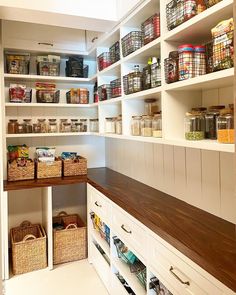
[
  {"x": 45, "y": 154},
  {"x": 18, "y": 152}
]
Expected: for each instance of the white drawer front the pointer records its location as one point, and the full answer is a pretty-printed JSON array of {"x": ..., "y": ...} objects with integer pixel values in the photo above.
[
  {"x": 183, "y": 277},
  {"x": 129, "y": 231},
  {"x": 100, "y": 206}
]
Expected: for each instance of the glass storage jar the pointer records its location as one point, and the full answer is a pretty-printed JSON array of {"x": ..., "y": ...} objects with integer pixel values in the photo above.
[
  {"x": 36, "y": 128},
  {"x": 52, "y": 127},
  {"x": 84, "y": 125},
  {"x": 93, "y": 125},
  {"x": 79, "y": 127},
  {"x": 157, "y": 125},
  {"x": 146, "y": 126},
  {"x": 62, "y": 122},
  {"x": 151, "y": 106},
  {"x": 43, "y": 125},
  {"x": 135, "y": 125},
  {"x": 20, "y": 128},
  {"x": 172, "y": 67},
  {"x": 225, "y": 126},
  {"x": 28, "y": 127},
  {"x": 119, "y": 125},
  {"x": 194, "y": 125},
  {"x": 211, "y": 119},
  {"x": 110, "y": 126},
  {"x": 67, "y": 127},
  {"x": 12, "y": 126},
  {"x": 186, "y": 61},
  {"x": 73, "y": 125}
]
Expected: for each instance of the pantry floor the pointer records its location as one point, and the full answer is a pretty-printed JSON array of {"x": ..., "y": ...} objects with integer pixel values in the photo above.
[{"x": 71, "y": 278}]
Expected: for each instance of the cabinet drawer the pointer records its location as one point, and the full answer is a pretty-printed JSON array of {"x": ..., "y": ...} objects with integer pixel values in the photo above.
[
  {"x": 182, "y": 276},
  {"x": 100, "y": 206},
  {"x": 129, "y": 231}
]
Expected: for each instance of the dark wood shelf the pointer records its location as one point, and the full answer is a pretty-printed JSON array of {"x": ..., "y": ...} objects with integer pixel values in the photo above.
[{"x": 207, "y": 240}]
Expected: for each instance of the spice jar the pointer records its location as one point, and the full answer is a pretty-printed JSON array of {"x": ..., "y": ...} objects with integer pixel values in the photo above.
[
  {"x": 225, "y": 126},
  {"x": 93, "y": 125},
  {"x": 119, "y": 125},
  {"x": 20, "y": 128},
  {"x": 28, "y": 127},
  {"x": 36, "y": 128},
  {"x": 43, "y": 125},
  {"x": 186, "y": 61},
  {"x": 190, "y": 7},
  {"x": 136, "y": 125},
  {"x": 52, "y": 127},
  {"x": 157, "y": 125},
  {"x": 151, "y": 106},
  {"x": 84, "y": 125},
  {"x": 194, "y": 125},
  {"x": 62, "y": 121},
  {"x": 110, "y": 126},
  {"x": 12, "y": 126},
  {"x": 155, "y": 73},
  {"x": 67, "y": 127},
  {"x": 73, "y": 125},
  {"x": 172, "y": 67},
  {"x": 199, "y": 61},
  {"x": 146, "y": 126},
  {"x": 78, "y": 127}
]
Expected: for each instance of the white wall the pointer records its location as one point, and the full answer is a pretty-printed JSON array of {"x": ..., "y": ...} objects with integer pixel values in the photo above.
[{"x": 123, "y": 6}]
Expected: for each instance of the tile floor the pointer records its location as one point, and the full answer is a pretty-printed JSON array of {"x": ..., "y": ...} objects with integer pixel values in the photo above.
[{"x": 78, "y": 278}]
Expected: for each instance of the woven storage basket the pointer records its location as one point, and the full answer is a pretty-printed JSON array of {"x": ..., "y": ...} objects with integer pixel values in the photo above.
[
  {"x": 69, "y": 244},
  {"x": 29, "y": 250},
  {"x": 75, "y": 167},
  {"x": 48, "y": 170},
  {"x": 16, "y": 172}
]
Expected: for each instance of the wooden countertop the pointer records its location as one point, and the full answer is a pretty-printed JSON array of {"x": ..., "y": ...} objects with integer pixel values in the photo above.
[{"x": 206, "y": 239}]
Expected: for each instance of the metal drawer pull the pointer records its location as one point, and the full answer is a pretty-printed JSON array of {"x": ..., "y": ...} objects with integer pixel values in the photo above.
[
  {"x": 45, "y": 43},
  {"x": 177, "y": 277},
  {"x": 127, "y": 231},
  {"x": 96, "y": 203}
]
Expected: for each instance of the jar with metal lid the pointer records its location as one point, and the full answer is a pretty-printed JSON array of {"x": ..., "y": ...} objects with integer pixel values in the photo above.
[
  {"x": 79, "y": 127},
  {"x": 151, "y": 106},
  {"x": 36, "y": 128},
  {"x": 84, "y": 125},
  {"x": 199, "y": 60},
  {"x": 93, "y": 125},
  {"x": 225, "y": 126},
  {"x": 73, "y": 126},
  {"x": 146, "y": 126},
  {"x": 136, "y": 125},
  {"x": 110, "y": 126},
  {"x": 20, "y": 128},
  {"x": 67, "y": 127},
  {"x": 172, "y": 67},
  {"x": 119, "y": 125},
  {"x": 62, "y": 121},
  {"x": 190, "y": 9},
  {"x": 43, "y": 125},
  {"x": 12, "y": 126},
  {"x": 194, "y": 125},
  {"x": 186, "y": 61},
  {"x": 211, "y": 119},
  {"x": 157, "y": 125},
  {"x": 28, "y": 127},
  {"x": 52, "y": 127}
]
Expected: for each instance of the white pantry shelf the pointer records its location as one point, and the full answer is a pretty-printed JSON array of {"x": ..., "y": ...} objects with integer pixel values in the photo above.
[
  {"x": 49, "y": 134},
  {"x": 51, "y": 105},
  {"x": 30, "y": 78},
  {"x": 131, "y": 279},
  {"x": 218, "y": 79},
  {"x": 112, "y": 70},
  {"x": 115, "y": 100},
  {"x": 198, "y": 28},
  {"x": 149, "y": 93}
]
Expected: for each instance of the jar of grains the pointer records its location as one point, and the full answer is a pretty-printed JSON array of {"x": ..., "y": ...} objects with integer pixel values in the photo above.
[
  {"x": 135, "y": 125},
  {"x": 186, "y": 61},
  {"x": 157, "y": 125},
  {"x": 110, "y": 126},
  {"x": 225, "y": 126},
  {"x": 194, "y": 125},
  {"x": 93, "y": 125},
  {"x": 146, "y": 126}
]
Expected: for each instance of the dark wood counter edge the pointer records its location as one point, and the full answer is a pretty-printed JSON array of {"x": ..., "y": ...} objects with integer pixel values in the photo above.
[
  {"x": 219, "y": 265},
  {"x": 118, "y": 192}
]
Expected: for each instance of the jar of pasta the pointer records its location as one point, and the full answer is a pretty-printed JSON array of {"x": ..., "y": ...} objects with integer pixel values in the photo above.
[
  {"x": 225, "y": 126},
  {"x": 157, "y": 125},
  {"x": 146, "y": 126}
]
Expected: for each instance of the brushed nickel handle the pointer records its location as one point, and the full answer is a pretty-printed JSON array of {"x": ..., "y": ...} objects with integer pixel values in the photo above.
[
  {"x": 94, "y": 39},
  {"x": 96, "y": 203},
  {"x": 45, "y": 43},
  {"x": 127, "y": 231},
  {"x": 177, "y": 277}
]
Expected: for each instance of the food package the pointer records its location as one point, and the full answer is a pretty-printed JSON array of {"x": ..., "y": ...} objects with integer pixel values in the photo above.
[
  {"x": 45, "y": 154},
  {"x": 18, "y": 152},
  {"x": 69, "y": 155},
  {"x": 19, "y": 93}
]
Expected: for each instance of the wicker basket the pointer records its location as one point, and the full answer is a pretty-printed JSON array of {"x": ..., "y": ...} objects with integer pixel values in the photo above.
[
  {"x": 69, "y": 244},
  {"x": 28, "y": 248},
  {"x": 48, "y": 170},
  {"x": 75, "y": 167},
  {"x": 17, "y": 172}
]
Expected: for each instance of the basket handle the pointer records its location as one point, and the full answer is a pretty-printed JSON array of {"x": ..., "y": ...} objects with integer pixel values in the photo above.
[
  {"x": 27, "y": 237},
  {"x": 62, "y": 213},
  {"x": 72, "y": 225},
  {"x": 25, "y": 223}
]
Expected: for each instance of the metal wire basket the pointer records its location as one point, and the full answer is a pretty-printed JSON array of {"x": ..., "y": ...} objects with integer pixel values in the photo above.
[
  {"x": 131, "y": 42},
  {"x": 174, "y": 14},
  {"x": 210, "y": 3}
]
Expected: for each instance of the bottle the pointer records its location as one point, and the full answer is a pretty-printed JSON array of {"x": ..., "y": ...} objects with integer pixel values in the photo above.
[
  {"x": 95, "y": 92},
  {"x": 137, "y": 79},
  {"x": 155, "y": 73},
  {"x": 147, "y": 75}
]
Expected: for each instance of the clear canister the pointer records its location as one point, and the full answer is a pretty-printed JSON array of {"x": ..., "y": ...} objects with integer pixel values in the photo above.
[
  {"x": 73, "y": 125},
  {"x": 62, "y": 121},
  {"x": 110, "y": 126},
  {"x": 84, "y": 125},
  {"x": 211, "y": 120},
  {"x": 151, "y": 106},
  {"x": 157, "y": 125},
  {"x": 93, "y": 125},
  {"x": 67, "y": 127},
  {"x": 20, "y": 128},
  {"x": 225, "y": 126},
  {"x": 28, "y": 127},
  {"x": 146, "y": 126},
  {"x": 119, "y": 125},
  {"x": 136, "y": 125},
  {"x": 12, "y": 126},
  {"x": 43, "y": 125},
  {"x": 194, "y": 125}
]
